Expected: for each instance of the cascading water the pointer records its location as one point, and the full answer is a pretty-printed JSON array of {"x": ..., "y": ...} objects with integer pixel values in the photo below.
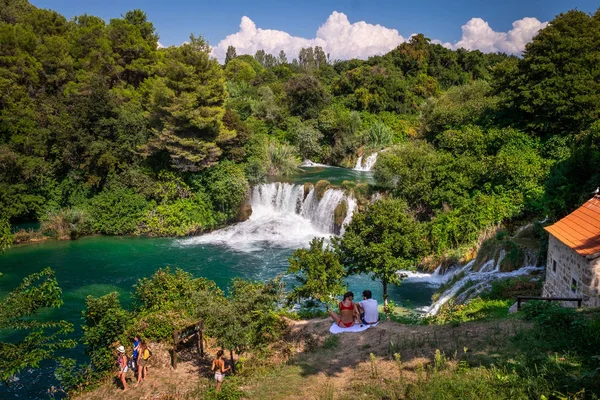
[
  {"x": 282, "y": 217},
  {"x": 367, "y": 164},
  {"x": 480, "y": 281}
]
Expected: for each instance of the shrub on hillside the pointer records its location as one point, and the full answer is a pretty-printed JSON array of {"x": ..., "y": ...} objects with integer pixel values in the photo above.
[
  {"x": 116, "y": 211},
  {"x": 181, "y": 218},
  {"x": 65, "y": 224},
  {"x": 166, "y": 288}
]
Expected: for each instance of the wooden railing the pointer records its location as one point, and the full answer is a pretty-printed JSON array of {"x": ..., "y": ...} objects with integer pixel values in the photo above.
[
  {"x": 186, "y": 332},
  {"x": 520, "y": 299}
]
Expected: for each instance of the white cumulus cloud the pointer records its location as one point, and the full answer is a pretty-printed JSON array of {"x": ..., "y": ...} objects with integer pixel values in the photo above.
[
  {"x": 344, "y": 40},
  {"x": 478, "y": 35},
  {"x": 337, "y": 36}
]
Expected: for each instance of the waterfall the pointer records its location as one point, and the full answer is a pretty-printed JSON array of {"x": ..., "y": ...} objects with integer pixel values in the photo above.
[
  {"x": 479, "y": 281},
  {"x": 368, "y": 163},
  {"x": 282, "y": 217}
]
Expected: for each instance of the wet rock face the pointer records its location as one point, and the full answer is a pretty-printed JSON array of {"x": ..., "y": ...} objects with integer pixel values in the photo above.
[
  {"x": 321, "y": 187},
  {"x": 307, "y": 188},
  {"x": 244, "y": 212},
  {"x": 339, "y": 214}
]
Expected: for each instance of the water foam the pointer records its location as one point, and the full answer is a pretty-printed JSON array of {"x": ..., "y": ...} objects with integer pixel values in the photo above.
[{"x": 281, "y": 217}]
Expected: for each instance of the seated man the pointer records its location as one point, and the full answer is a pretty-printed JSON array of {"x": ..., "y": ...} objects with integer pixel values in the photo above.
[{"x": 369, "y": 314}]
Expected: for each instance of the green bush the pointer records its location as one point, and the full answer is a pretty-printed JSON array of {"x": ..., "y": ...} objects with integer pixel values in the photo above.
[
  {"x": 509, "y": 289},
  {"x": 550, "y": 316},
  {"x": 116, "y": 211},
  {"x": 477, "y": 309},
  {"x": 65, "y": 224},
  {"x": 166, "y": 288},
  {"x": 158, "y": 325},
  {"x": 181, "y": 218},
  {"x": 227, "y": 187}
]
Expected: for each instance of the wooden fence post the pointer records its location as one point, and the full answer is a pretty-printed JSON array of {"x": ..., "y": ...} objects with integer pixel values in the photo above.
[
  {"x": 175, "y": 342},
  {"x": 201, "y": 339}
]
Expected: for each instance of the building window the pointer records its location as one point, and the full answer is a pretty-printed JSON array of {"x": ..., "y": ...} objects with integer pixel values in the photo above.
[
  {"x": 574, "y": 285},
  {"x": 553, "y": 265}
]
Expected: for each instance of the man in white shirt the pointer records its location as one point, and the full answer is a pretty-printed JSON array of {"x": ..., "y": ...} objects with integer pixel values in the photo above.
[{"x": 368, "y": 308}]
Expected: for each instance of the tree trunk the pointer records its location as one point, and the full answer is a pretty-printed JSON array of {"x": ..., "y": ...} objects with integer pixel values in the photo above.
[
  {"x": 232, "y": 362},
  {"x": 386, "y": 308}
]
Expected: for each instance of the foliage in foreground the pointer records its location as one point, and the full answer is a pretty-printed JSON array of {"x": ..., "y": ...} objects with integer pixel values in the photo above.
[
  {"x": 34, "y": 340},
  {"x": 319, "y": 273},
  {"x": 246, "y": 319}
]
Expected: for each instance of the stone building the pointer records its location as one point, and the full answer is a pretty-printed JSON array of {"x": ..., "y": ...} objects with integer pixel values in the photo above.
[{"x": 573, "y": 266}]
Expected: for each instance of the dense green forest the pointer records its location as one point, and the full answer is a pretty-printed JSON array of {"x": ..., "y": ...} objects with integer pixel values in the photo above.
[{"x": 103, "y": 132}]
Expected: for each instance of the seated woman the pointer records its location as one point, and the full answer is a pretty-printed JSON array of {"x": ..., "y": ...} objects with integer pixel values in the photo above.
[{"x": 348, "y": 312}]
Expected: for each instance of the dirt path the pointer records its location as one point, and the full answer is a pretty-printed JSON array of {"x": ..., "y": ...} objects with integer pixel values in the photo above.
[{"x": 324, "y": 364}]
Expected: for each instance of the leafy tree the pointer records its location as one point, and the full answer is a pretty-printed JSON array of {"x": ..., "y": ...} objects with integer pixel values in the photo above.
[
  {"x": 259, "y": 56},
  {"x": 185, "y": 107},
  {"x": 282, "y": 58},
  {"x": 307, "y": 138},
  {"x": 165, "y": 288},
  {"x": 555, "y": 87},
  {"x": 238, "y": 70},
  {"x": 459, "y": 106},
  {"x": 182, "y": 217},
  {"x": 381, "y": 241},
  {"x": 39, "y": 339},
  {"x": 318, "y": 271},
  {"x": 411, "y": 169},
  {"x": 306, "y": 96},
  {"x": 246, "y": 318},
  {"x": 230, "y": 54}
]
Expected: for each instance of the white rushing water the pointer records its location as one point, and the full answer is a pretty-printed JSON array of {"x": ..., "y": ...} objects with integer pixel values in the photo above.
[
  {"x": 282, "y": 217},
  {"x": 479, "y": 281},
  {"x": 367, "y": 165},
  {"x": 471, "y": 283}
]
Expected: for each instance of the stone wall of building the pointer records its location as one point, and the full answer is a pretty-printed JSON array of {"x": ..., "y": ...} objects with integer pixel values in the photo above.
[{"x": 569, "y": 274}]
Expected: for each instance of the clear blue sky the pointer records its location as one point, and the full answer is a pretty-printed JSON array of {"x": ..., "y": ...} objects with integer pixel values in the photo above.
[{"x": 437, "y": 19}]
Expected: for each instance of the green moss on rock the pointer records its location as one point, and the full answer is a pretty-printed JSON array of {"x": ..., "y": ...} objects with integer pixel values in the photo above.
[
  {"x": 321, "y": 187},
  {"x": 339, "y": 215}
]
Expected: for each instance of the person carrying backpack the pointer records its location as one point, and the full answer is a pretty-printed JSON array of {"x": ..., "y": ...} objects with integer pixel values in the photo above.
[
  {"x": 142, "y": 361},
  {"x": 134, "y": 356}
]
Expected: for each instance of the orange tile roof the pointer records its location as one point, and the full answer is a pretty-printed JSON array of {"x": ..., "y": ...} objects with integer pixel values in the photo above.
[{"x": 580, "y": 230}]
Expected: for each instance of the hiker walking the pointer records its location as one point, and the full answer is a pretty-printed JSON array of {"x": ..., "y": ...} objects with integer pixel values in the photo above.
[
  {"x": 122, "y": 363},
  {"x": 142, "y": 361},
  {"x": 218, "y": 365}
]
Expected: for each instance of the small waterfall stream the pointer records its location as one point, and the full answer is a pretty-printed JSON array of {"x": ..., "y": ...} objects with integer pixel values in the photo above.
[
  {"x": 471, "y": 283},
  {"x": 367, "y": 165},
  {"x": 474, "y": 283}
]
